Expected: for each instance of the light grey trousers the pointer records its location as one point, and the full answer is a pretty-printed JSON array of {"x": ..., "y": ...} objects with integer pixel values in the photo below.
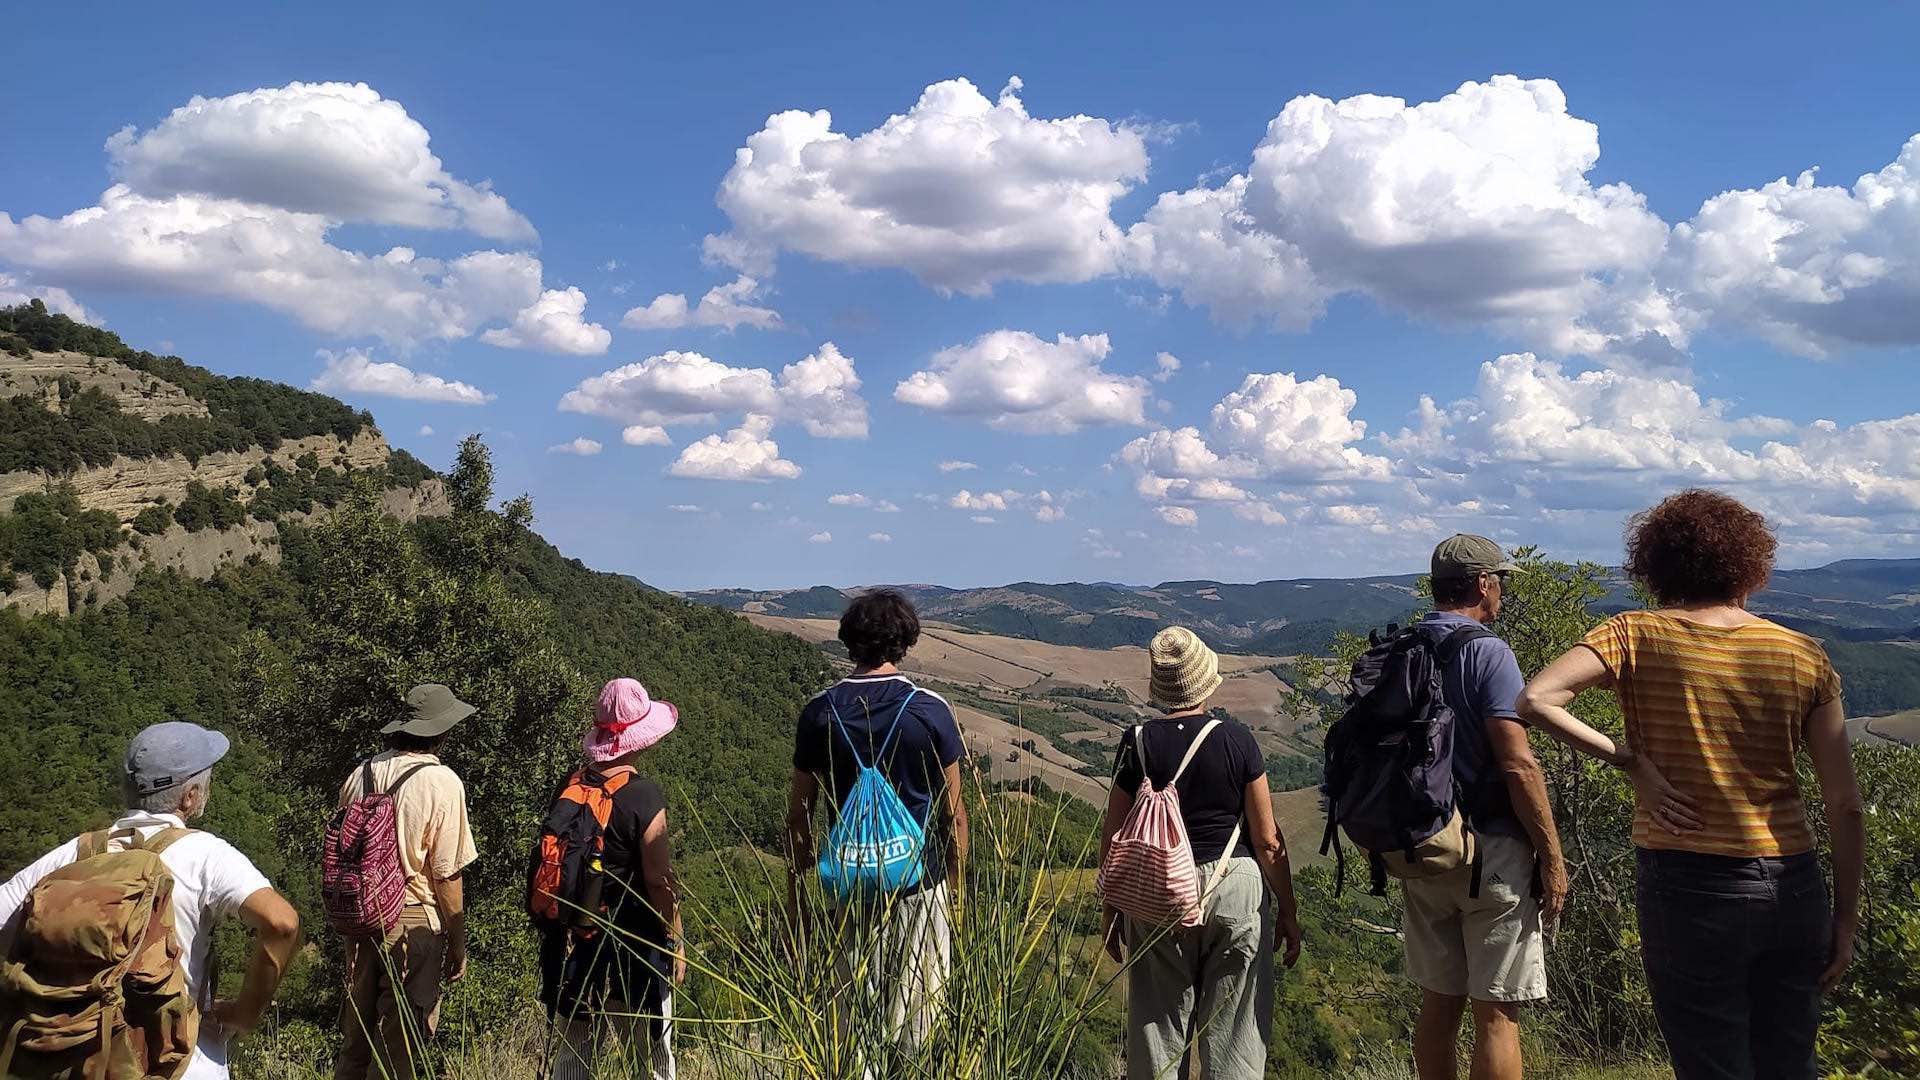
[{"x": 1207, "y": 988}]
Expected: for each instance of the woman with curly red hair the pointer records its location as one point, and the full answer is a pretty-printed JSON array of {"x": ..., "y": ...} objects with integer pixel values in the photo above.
[{"x": 1736, "y": 932}]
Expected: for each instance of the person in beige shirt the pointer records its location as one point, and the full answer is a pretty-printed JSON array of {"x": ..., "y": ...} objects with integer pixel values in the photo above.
[{"x": 392, "y": 1000}]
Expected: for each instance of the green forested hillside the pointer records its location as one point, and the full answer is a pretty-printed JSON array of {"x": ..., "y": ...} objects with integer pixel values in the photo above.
[
  {"x": 738, "y": 688},
  {"x": 75, "y": 689}
]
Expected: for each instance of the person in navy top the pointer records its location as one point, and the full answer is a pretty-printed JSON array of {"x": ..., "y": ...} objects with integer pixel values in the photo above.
[{"x": 918, "y": 749}]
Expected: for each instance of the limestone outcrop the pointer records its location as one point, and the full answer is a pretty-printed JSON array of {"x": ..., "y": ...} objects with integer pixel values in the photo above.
[
  {"x": 126, "y": 486},
  {"x": 145, "y": 396}
]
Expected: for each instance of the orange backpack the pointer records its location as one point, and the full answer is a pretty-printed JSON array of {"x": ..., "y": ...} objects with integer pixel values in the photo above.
[{"x": 565, "y": 880}]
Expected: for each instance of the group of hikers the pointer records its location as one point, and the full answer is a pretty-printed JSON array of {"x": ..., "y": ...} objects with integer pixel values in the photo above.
[{"x": 1430, "y": 775}]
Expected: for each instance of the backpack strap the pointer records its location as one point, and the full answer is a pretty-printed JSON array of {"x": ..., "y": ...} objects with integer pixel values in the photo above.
[
  {"x": 892, "y": 731},
  {"x": 1457, "y": 641},
  {"x": 163, "y": 839},
  {"x": 884, "y": 742},
  {"x": 393, "y": 789},
  {"x": 1226, "y": 858},
  {"x": 91, "y": 844},
  {"x": 1140, "y": 752}
]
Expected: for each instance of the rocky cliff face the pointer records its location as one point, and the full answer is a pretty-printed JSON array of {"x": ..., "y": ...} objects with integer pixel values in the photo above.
[
  {"x": 143, "y": 395},
  {"x": 97, "y": 580},
  {"x": 127, "y": 486}
]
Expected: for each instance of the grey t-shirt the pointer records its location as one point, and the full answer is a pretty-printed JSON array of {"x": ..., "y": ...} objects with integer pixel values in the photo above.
[{"x": 1482, "y": 684}]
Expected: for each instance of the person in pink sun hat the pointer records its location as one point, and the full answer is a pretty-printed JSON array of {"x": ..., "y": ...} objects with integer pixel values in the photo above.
[
  {"x": 626, "y": 721},
  {"x": 603, "y": 863}
]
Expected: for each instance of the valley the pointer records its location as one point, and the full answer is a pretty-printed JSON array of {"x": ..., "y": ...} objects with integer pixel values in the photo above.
[{"x": 1036, "y": 712}]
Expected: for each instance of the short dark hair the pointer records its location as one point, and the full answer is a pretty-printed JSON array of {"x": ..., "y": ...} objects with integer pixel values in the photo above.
[
  {"x": 408, "y": 743},
  {"x": 1700, "y": 547},
  {"x": 879, "y": 627},
  {"x": 1456, "y": 592}
]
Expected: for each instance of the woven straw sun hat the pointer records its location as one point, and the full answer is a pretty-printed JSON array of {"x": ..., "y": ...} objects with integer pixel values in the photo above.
[{"x": 1185, "y": 671}]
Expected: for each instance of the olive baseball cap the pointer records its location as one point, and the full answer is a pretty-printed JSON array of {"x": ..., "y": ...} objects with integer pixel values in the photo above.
[
  {"x": 1463, "y": 555},
  {"x": 169, "y": 754},
  {"x": 435, "y": 711}
]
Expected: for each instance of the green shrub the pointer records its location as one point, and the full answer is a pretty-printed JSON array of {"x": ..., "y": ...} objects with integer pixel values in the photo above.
[
  {"x": 205, "y": 508},
  {"x": 46, "y": 533},
  {"x": 154, "y": 520}
]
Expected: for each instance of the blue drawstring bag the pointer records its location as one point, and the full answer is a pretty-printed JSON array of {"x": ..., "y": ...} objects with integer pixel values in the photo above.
[{"x": 875, "y": 846}]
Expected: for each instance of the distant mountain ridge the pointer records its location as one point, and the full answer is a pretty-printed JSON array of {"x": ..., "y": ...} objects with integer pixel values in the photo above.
[
  {"x": 1866, "y": 610},
  {"x": 1855, "y": 599}
]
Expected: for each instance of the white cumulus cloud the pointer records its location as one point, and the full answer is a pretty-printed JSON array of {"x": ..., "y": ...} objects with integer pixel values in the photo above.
[
  {"x": 1167, "y": 366},
  {"x": 14, "y": 291},
  {"x": 960, "y": 191},
  {"x": 1812, "y": 267},
  {"x": 820, "y": 392},
  {"x": 725, "y": 306},
  {"x": 1275, "y": 428},
  {"x": 645, "y": 435},
  {"x": 744, "y": 453},
  {"x": 1016, "y": 381},
  {"x": 820, "y": 538},
  {"x": 1182, "y": 516},
  {"x": 338, "y": 150},
  {"x": 581, "y": 446},
  {"x": 271, "y": 256},
  {"x": 880, "y": 538},
  {"x": 848, "y": 499},
  {"x": 238, "y": 198},
  {"x": 957, "y": 466},
  {"x": 1475, "y": 207},
  {"x": 553, "y": 323},
  {"x": 352, "y": 371}
]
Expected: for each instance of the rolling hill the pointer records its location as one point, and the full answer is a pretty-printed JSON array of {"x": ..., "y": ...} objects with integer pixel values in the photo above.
[{"x": 1867, "y": 611}]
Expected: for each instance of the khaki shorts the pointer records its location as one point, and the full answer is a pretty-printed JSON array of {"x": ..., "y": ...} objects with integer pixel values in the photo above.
[{"x": 1491, "y": 949}]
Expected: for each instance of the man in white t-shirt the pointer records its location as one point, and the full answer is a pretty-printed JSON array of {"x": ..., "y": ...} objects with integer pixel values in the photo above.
[{"x": 169, "y": 776}]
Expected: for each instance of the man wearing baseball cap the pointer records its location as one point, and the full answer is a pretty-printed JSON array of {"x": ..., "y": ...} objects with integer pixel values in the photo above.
[
  {"x": 379, "y": 1040},
  {"x": 167, "y": 778},
  {"x": 1487, "y": 945}
]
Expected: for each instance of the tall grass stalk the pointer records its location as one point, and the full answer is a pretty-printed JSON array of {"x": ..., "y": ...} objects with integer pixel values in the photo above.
[{"x": 1028, "y": 993}]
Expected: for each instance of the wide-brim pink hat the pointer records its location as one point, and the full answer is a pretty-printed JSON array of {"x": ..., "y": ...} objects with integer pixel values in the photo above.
[{"x": 626, "y": 719}]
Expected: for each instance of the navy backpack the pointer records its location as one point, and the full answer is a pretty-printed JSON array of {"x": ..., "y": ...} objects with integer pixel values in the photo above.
[{"x": 1389, "y": 781}]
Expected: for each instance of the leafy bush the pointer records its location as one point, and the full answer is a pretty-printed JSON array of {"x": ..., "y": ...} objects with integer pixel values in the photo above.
[
  {"x": 154, "y": 520},
  {"x": 46, "y": 533},
  {"x": 205, "y": 508}
]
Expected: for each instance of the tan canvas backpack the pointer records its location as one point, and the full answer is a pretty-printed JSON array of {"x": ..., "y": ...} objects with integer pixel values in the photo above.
[{"x": 95, "y": 985}]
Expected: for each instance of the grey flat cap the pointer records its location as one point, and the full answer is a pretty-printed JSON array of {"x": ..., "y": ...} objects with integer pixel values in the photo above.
[
  {"x": 171, "y": 753},
  {"x": 435, "y": 711}
]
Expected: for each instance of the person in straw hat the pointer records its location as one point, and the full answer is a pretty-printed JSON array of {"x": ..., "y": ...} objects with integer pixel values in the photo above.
[
  {"x": 610, "y": 990},
  {"x": 1210, "y": 986}
]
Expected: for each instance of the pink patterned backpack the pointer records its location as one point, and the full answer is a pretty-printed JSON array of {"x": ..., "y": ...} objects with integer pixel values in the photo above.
[
  {"x": 1148, "y": 873},
  {"x": 362, "y": 885}
]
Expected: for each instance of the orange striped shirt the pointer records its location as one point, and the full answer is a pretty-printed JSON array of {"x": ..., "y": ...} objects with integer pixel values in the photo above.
[{"x": 1720, "y": 711}]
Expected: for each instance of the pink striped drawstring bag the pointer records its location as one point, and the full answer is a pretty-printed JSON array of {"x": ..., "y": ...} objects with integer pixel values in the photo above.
[{"x": 1148, "y": 873}]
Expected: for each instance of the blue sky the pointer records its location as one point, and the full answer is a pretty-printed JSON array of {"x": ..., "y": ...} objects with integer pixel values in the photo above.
[{"x": 1550, "y": 261}]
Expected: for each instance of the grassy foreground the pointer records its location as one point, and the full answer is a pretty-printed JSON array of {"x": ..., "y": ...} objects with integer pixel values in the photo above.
[{"x": 1031, "y": 994}]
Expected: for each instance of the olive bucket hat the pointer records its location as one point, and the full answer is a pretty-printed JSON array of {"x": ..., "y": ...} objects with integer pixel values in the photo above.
[{"x": 435, "y": 711}]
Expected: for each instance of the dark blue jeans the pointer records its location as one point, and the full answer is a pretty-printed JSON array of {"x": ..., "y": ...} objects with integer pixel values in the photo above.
[{"x": 1733, "y": 950}]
